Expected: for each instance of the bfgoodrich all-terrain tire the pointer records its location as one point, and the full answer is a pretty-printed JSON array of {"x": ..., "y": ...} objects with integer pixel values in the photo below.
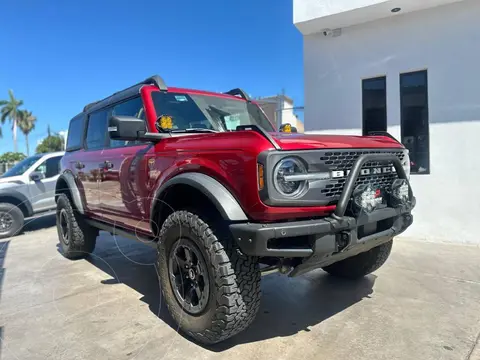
[
  {"x": 76, "y": 237},
  {"x": 361, "y": 264},
  {"x": 11, "y": 220},
  {"x": 211, "y": 289}
]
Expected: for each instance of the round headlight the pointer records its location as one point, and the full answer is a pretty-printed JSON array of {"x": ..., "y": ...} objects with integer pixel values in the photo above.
[{"x": 285, "y": 168}]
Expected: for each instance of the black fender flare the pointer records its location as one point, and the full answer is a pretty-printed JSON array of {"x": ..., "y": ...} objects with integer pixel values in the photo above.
[
  {"x": 23, "y": 203},
  {"x": 69, "y": 179},
  {"x": 218, "y": 194}
]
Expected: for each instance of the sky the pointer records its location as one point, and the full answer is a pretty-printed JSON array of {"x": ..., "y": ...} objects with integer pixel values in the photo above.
[{"x": 58, "y": 55}]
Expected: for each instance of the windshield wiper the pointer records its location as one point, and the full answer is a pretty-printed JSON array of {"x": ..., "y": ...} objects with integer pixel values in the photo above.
[{"x": 193, "y": 130}]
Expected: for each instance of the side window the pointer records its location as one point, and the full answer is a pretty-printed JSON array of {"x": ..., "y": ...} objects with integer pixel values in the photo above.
[
  {"x": 96, "y": 130},
  {"x": 132, "y": 107},
  {"x": 75, "y": 133},
  {"x": 50, "y": 167}
]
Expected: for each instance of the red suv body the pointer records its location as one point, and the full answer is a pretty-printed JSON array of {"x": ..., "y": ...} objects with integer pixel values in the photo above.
[{"x": 290, "y": 201}]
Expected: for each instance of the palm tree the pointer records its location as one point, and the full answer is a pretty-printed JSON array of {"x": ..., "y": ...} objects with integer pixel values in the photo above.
[
  {"x": 10, "y": 111},
  {"x": 26, "y": 123}
]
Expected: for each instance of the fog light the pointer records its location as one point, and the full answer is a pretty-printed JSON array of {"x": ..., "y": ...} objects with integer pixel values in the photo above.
[
  {"x": 368, "y": 198},
  {"x": 400, "y": 192}
]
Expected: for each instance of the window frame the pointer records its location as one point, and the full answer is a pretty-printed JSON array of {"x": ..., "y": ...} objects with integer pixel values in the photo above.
[
  {"x": 195, "y": 96},
  {"x": 425, "y": 72},
  {"x": 109, "y": 109},
  {"x": 86, "y": 130},
  {"x": 378, "y": 77},
  {"x": 109, "y": 114},
  {"x": 83, "y": 134}
]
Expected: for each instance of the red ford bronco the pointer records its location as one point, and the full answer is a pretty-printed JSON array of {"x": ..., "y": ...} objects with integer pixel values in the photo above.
[{"x": 207, "y": 180}]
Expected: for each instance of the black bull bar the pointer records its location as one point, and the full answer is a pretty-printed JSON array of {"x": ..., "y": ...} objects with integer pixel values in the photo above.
[{"x": 334, "y": 237}]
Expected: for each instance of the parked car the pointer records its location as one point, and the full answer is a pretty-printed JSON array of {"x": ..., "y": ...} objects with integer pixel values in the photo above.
[
  {"x": 205, "y": 179},
  {"x": 27, "y": 189}
]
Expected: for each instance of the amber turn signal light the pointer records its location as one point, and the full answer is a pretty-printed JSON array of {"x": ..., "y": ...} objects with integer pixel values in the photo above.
[{"x": 261, "y": 179}]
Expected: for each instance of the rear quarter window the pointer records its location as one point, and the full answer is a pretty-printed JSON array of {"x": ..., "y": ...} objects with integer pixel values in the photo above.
[{"x": 75, "y": 133}]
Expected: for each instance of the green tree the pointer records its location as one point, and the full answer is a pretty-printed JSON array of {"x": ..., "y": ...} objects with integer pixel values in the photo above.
[
  {"x": 26, "y": 123},
  {"x": 11, "y": 157},
  {"x": 10, "y": 111},
  {"x": 51, "y": 143}
]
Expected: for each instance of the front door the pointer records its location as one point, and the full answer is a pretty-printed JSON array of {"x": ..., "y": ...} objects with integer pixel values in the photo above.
[
  {"x": 122, "y": 185},
  {"x": 42, "y": 192}
]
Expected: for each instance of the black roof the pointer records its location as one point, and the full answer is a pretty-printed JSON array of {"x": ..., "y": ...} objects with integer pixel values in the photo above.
[{"x": 126, "y": 93}]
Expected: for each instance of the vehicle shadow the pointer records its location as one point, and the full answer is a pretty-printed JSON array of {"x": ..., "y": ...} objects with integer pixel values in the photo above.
[{"x": 289, "y": 305}]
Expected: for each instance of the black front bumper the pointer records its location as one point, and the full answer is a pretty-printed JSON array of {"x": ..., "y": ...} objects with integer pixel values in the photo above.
[
  {"x": 323, "y": 241},
  {"x": 331, "y": 239}
]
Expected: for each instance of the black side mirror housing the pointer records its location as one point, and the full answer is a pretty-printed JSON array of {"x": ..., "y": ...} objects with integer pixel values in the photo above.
[
  {"x": 125, "y": 128},
  {"x": 131, "y": 128},
  {"x": 37, "y": 176}
]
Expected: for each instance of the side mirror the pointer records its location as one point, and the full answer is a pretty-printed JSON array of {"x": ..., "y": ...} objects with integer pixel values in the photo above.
[
  {"x": 131, "y": 128},
  {"x": 37, "y": 176},
  {"x": 125, "y": 127}
]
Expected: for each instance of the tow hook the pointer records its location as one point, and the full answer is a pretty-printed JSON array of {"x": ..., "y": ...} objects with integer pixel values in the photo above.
[{"x": 343, "y": 240}]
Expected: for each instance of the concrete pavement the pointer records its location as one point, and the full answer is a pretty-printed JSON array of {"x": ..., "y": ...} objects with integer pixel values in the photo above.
[{"x": 423, "y": 304}]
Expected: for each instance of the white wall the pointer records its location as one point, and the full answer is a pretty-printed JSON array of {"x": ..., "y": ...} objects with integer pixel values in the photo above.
[{"x": 446, "y": 42}]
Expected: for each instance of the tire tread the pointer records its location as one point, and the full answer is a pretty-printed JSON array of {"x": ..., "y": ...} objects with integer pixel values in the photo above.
[{"x": 237, "y": 279}]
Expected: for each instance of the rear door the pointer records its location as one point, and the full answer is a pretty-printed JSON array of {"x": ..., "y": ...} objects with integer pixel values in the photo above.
[
  {"x": 92, "y": 159},
  {"x": 123, "y": 184},
  {"x": 73, "y": 160}
]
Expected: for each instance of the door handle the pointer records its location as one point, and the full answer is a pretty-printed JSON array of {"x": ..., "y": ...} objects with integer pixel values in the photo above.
[
  {"x": 79, "y": 165},
  {"x": 106, "y": 165}
]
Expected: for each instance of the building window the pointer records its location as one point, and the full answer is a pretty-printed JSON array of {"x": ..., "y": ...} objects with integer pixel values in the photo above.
[
  {"x": 414, "y": 119},
  {"x": 374, "y": 101}
]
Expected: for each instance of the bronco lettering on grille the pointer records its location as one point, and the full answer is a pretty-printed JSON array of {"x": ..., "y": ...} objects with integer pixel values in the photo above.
[{"x": 364, "y": 172}]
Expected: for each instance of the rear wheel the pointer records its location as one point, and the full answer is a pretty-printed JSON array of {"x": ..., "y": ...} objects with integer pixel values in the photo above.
[
  {"x": 76, "y": 237},
  {"x": 362, "y": 264},
  {"x": 211, "y": 289},
  {"x": 11, "y": 220}
]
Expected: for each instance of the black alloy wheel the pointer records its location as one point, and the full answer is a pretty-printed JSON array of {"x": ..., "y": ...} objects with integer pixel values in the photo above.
[
  {"x": 189, "y": 276},
  {"x": 64, "y": 227}
]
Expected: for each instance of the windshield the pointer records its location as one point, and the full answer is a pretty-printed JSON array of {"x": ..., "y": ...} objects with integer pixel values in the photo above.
[
  {"x": 21, "y": 167},
  {"x": 191, "y": 111}
]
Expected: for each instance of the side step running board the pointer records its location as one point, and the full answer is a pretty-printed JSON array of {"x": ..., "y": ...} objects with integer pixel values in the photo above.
[{"x": 150, "y": 241}]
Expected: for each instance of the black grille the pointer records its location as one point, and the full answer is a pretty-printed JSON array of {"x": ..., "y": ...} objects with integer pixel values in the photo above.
[{"x": 343, "y": 160}]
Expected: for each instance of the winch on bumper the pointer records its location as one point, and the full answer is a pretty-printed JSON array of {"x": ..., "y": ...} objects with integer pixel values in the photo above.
[{"x": 321, "y": 242}]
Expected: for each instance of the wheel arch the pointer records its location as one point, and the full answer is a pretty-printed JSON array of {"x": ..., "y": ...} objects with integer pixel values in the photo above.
[
  {"x": 195, "y": 187},
  {"x": 17, "y": 199},
  {"x": 66, "y": 185}
]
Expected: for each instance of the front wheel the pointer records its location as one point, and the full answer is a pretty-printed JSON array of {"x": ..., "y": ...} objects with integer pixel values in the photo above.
[
  {"x": 211, "y": 289},
  {"x": 362, "y": 264},
  {"x": 11, "y": 220}
]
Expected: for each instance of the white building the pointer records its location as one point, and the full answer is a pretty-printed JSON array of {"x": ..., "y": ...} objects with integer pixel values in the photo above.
[
  {"x": 280, "y": 109},
  {"x": 411, "y": 67}
]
